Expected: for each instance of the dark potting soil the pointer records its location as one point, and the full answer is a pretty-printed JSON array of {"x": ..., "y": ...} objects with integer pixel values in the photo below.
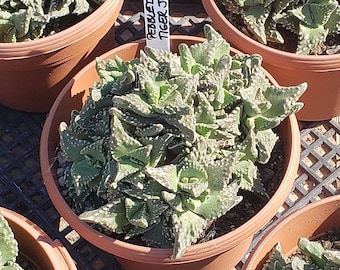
[
  {"x": 330, "y": 239},
  {"x": 26, "y": 263}
]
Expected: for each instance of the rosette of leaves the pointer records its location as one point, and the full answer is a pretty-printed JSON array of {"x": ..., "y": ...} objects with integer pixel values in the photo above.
[
  {"x": 8, "y": 247},
  {"x": 163, "y": 143},
  {"x": 311, "y": 20},
  {"x": 28, "y": 20},
  {"x": 314, "y": 256}
]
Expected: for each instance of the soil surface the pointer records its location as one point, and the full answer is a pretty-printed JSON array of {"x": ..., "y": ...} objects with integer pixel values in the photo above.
[{"x": 26, "y": 263}]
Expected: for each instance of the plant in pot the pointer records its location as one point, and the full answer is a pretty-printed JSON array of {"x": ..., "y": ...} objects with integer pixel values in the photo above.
[
  {"x": 298, "y": 40},
  {"x": 44, "y": 43},
  {"x": 24, "y": 245},
  {"x": 306, "y": 239},
  {"x": 161, "y": 146}
]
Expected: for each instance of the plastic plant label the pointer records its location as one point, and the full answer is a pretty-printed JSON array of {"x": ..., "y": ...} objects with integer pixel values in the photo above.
[{"x": 157, "y": 30}]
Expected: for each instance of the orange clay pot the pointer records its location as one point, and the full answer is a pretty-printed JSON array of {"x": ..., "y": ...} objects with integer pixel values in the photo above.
[
  {"x": 221, "y": 253},
  {"x": 321, "y": 72},
  {"x": 310, "y": 221},
  {"x": 36, "y": 245},
  {"x": 34, "y": 72}
]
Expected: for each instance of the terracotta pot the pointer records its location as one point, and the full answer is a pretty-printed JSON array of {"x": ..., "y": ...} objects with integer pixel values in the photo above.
[
  {"x": 310, "y": 221},
  {"x": 221, "y": 253},
  {"x": 35, "y": 245},
  {"x": 34, "y": 72},
  {"x": 321, "y": 72}
]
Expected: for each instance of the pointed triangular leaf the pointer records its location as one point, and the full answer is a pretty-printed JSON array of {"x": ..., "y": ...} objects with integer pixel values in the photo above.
[
  {"x": 121, "y": 142},
  {"x": 94, "y": 151},
  {"x": 218, "y": 203},
  {"x": 70, "y": 144},
  {"x": 187, "y": 229},
  {"x": 125, "y": 167},
  {"x": 165, "y": 175},
  {"x": 111, "y": 216},
  {"x": 266, "y": 140},
  {"x": 82, "y": 174},
  {"x": 136, "y": 212},
  {"x": 133, "y": 102}
]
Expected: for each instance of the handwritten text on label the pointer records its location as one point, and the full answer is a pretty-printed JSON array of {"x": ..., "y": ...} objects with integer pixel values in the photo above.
[{"x": 157, "y": 23}]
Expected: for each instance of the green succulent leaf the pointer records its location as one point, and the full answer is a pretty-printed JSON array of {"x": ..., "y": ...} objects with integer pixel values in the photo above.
[
  {"x": 83, "y": 174},
  {"x": 136, "y": 213},
  {"x": 332, "y": 256},
  {"x": 187, "y": 228},
  {"x": 276, "y": 260},
  {"x": 313, "y": 249},
  {"x": 165, "y": 176},
  {"x": 111, "y": 216},
  {"x": 70, "y": 144},
  {"x": 312, "y": 21},
  {"x": 265, "y": 141},
  {"x": 29, "y": 20},
  {"x": 316, "y": 257},
  {"x": 164, "y": 143},
  {"x": 120, "y": 141},
  {"x": 217, "y": 204},
  {"x": 205, "y": 112},
  {"x": 133, "y": 102},
  {"x": 9, "y": 246},
  {"x": 256, "y": 17}
]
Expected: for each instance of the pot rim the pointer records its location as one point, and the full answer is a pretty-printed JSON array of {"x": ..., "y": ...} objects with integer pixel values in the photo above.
[
  {"x": 53, "y": 249},
  {"x": 277, "y": 226},
  {"x": 51, "y": 43},
  {"x": 194, "y": 252},
  {"x": 319, "y": 63}
]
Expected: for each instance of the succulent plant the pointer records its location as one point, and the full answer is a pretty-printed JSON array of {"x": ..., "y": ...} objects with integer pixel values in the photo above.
[
  {"x": 8, "y": 247},
  {"x": 311, "y": 20},
  {"x": 163, "y": 143},
  {"x": 315, "y": 257},
  {"x": 27, "y": 20}
]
